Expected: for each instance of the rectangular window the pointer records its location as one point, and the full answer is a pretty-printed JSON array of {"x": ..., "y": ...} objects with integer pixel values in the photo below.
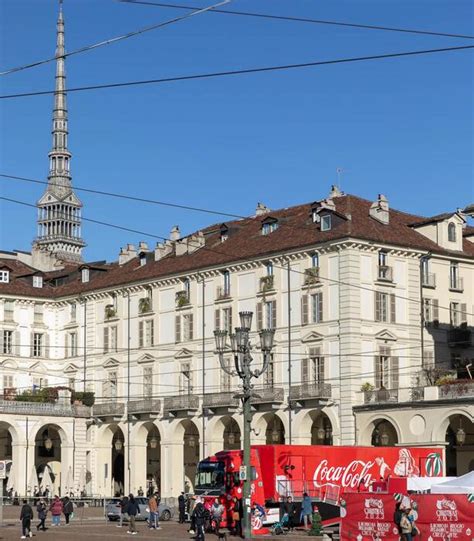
[
  {"x": 326, "y": 222},
  {"x": 385, "y": 307},
  {"x": 317, "y": 307},
  {"x": 428, "y": 358},
  {"x": 431, "y": 311},
  {"x": 145, "y": 333},
  {"x": 269, "y": 375},
  {"x": 227, "y": 320},
  {"x": 72, "y": 385},
  {"x": 386, "y": 369},
  {"x": 4, "y": 276},
  {"x": 72, "y": 344},
  {"x": 112, "y": 385},
  {"x": 37, "y": 281},
  {"x": 7, "y": 342},
  {"x": 383, "y": 257},
  {"x": 315, "y": 370},
  {"x": 110, "y": 339},
  {"x": 269, "y": 268},
  {"x": 8, "y": 309},
  {"x": 7, "y": 382},
  {"x": 39, "y": 314},
  {"x": 185, "y": 379},
  {"x": 38, "y": 344},
  {"x": 454, "y": 312},
  {"x": 270, "y": 315},
  {"x": 177, "y": 329},
  {"x": 315, "y": 260},
  {"x": 148, "y": 382},
  {"x": 226, "y": 283},
  {"x": 85, "y": 275},
  {"x": 454, "y": 281},
  {"x": 188, "y": 330},
  {"x": 73, "y": 312},
  {"x": 425, "y": 270},
  {"x": 225, "y": 377}
]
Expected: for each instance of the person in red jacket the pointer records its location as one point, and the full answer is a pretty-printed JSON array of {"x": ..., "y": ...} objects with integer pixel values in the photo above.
[{"x": 56, "y": 509}]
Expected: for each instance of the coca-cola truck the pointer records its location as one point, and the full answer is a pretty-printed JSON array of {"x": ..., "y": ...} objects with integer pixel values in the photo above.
[{"x": 323, "y": 472}]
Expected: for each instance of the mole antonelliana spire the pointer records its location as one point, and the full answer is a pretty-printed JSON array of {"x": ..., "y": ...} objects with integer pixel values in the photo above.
[{"x": 59, "y": 209}]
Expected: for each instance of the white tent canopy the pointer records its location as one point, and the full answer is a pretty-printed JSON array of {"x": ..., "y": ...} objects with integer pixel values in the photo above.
[
  {"x": 423, "y": 484},
  {"x": 459, "y": 485}
]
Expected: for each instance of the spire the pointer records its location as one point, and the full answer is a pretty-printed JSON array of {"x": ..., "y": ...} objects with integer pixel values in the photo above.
[{"x": 59, "y": 210}]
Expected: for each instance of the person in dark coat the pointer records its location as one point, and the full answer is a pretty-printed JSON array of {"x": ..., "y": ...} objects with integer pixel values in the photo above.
[
  {"x": 290, "y": 510},
  {"x": 42, "y": 511},
  {"x": 68, "y": 508},
  {"x": 122, "y": 505},
  {"x": 132, "y": 511},
  {"x": 182, "y": 508},
  {"x": 26, "y": 515},
  {"x": 199, "y": 517}
]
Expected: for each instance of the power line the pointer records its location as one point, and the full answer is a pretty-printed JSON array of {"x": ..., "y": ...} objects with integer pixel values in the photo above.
[
  {"x": 241, "y": 71},
  {"x": 228, "y": 254},
  {"x": 304, "y": 20},
  {"x": 113, "y": 40}
]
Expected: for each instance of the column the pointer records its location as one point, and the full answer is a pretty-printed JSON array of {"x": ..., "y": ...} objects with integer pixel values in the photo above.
[
  {"x": 138, "y": 465},
  {"x": 172, "y": 469}
]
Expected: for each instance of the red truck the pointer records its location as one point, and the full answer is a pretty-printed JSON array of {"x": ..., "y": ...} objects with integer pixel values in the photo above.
[{"x": 324, "y": 472}]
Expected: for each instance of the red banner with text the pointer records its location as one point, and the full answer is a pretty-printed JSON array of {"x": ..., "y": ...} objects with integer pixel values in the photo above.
[{"x": 438, "y": 517}]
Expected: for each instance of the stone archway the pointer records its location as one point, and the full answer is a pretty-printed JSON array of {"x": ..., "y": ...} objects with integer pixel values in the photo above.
[
  {"x": 275, "y": 431},
  {"x": 153, "y": 459},
  {"x": 231, "y": 437},
  {"x": 117, "y": 461},
  {"x": 47, "y": 474},
  {"x": 321, "y": 430},
  {"x": 460, "y": 441},
  {"x": 8, "y": 437},
  {"x": 191, "y": 443}
]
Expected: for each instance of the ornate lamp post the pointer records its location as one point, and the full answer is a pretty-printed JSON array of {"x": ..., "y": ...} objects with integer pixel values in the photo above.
[{"x": 241, "y": 348}]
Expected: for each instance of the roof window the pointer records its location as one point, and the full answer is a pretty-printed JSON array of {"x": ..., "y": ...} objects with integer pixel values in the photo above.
[
  {"x": 269, "y": 225},
  {"x": 326, "y": 222},
  {"x": 452, "y": 232},
  {"x": 85, "y": 275},
  {"x": 4, "y": 276},
  {"x": 37, "y": 281}
]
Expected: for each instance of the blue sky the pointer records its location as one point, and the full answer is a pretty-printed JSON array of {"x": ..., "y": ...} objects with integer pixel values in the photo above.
[{"x": 402, "y": 127}]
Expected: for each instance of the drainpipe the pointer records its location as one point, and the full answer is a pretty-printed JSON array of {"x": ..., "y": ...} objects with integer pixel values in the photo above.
[
  {"x": 128, "y": 392},
  {"x": 203, "y": 365},
  {"x": 84, "y": 353},
  {"x": 288, "y": 274}
]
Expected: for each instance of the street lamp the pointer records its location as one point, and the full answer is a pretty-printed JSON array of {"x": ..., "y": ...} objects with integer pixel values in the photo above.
[
  {"x": 153, "y": 442},
  {"x": 48, "y": 443},
  {"x": 241, "y": 347},
  {"x": 118, "y": 444},
  {"x": 384, "y": 438}
]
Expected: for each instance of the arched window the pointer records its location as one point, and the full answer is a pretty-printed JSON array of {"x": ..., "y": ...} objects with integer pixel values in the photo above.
[{"x": 452, "y": 232}]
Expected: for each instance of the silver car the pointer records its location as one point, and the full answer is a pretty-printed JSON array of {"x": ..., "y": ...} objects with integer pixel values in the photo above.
[{"x": 112, "y": 509}]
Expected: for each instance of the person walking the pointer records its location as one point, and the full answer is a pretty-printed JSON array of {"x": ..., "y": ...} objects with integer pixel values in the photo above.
[
  {"x": 306, "y": 510},
  {"x": 26, "y": 515},
  {"x": 182, "y": 508},
  {"x": 132, "y": 511},
  {"x": 42, "y": 511},
  {"x": 56, "y": 509},
  {"x": 68, "y": 508},
  {"x": 406, "y": 524},
  {"x": 199, "y": 518},
  {"x": 153, "y": 512},
  {"x": 122, "y": 505}
]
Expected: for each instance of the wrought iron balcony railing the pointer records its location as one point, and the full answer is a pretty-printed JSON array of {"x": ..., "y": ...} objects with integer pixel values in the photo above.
[{"x": 310, "y": 391}]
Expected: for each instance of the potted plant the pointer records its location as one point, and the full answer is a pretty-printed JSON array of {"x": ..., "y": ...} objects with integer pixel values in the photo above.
[
  {"x": 311, "y": 276},
  {"x": 110, "y": 311},
  {"x": 368, "y": 389},
  {"x": 144, "y": 305},
  {"x": 182, "y": 299}
]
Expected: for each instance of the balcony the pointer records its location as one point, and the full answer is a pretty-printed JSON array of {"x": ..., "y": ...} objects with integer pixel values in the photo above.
[
  {"x": 109, "y": 409},
  {"x": 147, "y": 407},
  {"x": 384, "y": 273},
  {"x": 182, "y": 299},
  {"x": 222, "y": 293},
  {"x": 43, "y": 409},
  {"x": 381, "y": 396},
  {"x": 428, "y": 280},
  {"x": 308, "y": 392},
  {"x": 267, "y": 397},
  {"x": 459, "y": 337},
  {"x": 184, "y": 404},
  {"x": 311, "y": 276},
  {"x": 457, "y": 389},
  {"x": 221, "y": 401},
  {"x": 456, "y": 284}
]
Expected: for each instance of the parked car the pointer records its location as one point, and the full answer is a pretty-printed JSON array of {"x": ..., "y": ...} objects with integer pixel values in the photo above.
[{"x": 112, "y": 509}]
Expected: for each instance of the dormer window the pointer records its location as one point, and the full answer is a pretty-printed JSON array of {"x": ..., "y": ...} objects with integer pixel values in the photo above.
[
  {"x": 37, "y": 281},
  {"x": 224, "y": 232},
  {"x": 326, "y": 222},
  {"x": 4, "y": 276},
  {"x": 269, "y": 225},
  {"x": 142, "y": 257},
  {"x": 452, "y": 232},
  {"x": 85, "y": 275}
]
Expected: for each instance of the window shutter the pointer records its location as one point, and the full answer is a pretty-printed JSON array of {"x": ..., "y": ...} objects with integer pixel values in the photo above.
[
  {"x": 304, "y": 371},
  {"x": 377, "y": 371},
  {"x": 435, "y": 311},
  {"x": 394, "y": 372},
  {"x": 304, "y": 310},
  {"x": 67, "y": 346},
  {"x": 191, "y": 326},
  {"x": 230, "y": 320},
  {"x": 259, "y": 316},
  {"x": 393, "y": 316},
  {"x": 274, "y": 314},
  {"x": 32, "y": 342},
  {"x": 217, "y": 319},
  {"x": 1, "y": 341},
  {"x": 377, "y": 306},
  {"x": 106, "y": 339},
  {"x": 322, "y": 370},
  {"x": 152, "y": 332},
  {"x": 177, "y": 337},
  {"x": 463, "y": 318},
  {"x": 140, "y": 334},
  {"x": 16, "y": 343},
  {"x": 46, "y": 345},
  {"x": 320, "y": 306}
]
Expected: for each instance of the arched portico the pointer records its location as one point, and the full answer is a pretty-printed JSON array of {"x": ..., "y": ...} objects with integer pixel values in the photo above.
[
  {"x": 145, "y": 451},
  {"x": 51, "y": 461},
  {"x": 381, "y": 431}
]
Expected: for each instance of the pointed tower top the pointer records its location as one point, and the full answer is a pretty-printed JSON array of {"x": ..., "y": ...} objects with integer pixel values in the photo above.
[{"x": 59, "y": 219}]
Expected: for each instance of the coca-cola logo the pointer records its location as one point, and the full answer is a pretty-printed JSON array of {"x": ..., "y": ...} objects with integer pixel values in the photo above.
[
  {"x": 446, "y": 510},
  {"x": 349, "y": 476}
]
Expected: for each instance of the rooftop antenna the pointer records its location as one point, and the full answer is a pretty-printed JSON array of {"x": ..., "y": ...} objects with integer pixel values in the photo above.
[{"x": 339, "y": 171}]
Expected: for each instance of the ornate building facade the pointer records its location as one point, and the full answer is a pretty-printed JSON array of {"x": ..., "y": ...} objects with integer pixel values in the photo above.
[{"x": 372, "y": 310}]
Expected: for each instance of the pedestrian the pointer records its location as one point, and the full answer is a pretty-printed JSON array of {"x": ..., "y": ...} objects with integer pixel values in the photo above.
[
  {"x": 152, "y": 512},
  {"x": 42, "y": 511},
  {"x": 217, "y": 511},
  {"x": 237, "y": 512},
  {"x": 140, "y": 492},
  {"x": 182, "y": 508},
  {"x": 200, "y": 516},
  {"x": 68, "y": 509},
  {"x": 122, "y": 505},
  {"x": 26, "y": 515},
  {"x": 406, "y": 525},
  {"x": 157, "y": 516},
  {"x": 290, "y": 510},
  {"x": 132, "y": 511},
  {"x": 56, "y": 509},
  {"x": 306, "y": 510}
]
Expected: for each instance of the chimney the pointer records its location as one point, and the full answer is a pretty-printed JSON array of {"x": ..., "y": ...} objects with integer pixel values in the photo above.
[
  {"x": 335, "y": 192},
  {"x": 127, "y": 253},
  {"x": 261, "y": 209},
  {"x": 163, "y": 249},
  {"x": 195, "y": 242},
  {"x": 143, "y": 247},
  {"x": 175, "y": 233},
  {"x": 379, "y": 210}
]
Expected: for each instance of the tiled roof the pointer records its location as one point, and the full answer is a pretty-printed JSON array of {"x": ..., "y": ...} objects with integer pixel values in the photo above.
[{"x": 296, "y": 231}]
